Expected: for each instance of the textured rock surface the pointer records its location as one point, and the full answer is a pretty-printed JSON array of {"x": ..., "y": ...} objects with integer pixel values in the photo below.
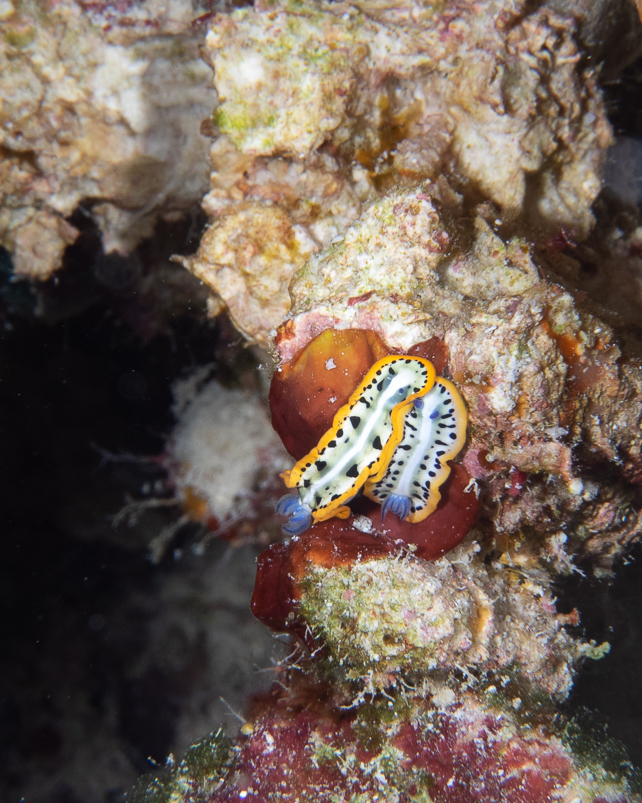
[
  {"x": 302, "y": 743},
  {"x": 547, "y": 392},
  {"x": 100, "y": 105},
  {"x": 324, "y": 107},
  {"x": 379, "y": 618},
  {"x": 601, "y": 24}
]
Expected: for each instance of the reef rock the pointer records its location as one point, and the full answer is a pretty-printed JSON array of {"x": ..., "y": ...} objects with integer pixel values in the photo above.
[
  {"x": 323, "y": 107},
  {"x": 304, "y": 743},
  {"x": 101, "y": 105},
  {"x": 381, "y": 621},
  {"x": 547, "y": 392}
]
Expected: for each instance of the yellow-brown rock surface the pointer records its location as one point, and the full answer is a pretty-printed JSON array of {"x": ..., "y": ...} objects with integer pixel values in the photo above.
[
  {"x": 323, "y": 107},
  {"x": 100, "y": 107}
]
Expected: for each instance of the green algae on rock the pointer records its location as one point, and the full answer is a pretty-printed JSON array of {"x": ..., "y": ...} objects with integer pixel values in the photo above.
[
  {"x": 277, "y": 76},
  {"x": 392, "y": 620},
  {"x": 195, "y": 778}
]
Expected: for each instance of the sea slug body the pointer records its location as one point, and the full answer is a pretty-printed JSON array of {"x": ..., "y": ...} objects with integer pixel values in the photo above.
[
  {"x": 434, "y": 432},
  {"x": 359, "y": 445}
]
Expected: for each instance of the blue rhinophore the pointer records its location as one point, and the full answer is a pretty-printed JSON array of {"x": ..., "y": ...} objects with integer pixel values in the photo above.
[
  {"x": 298, "y": 513},
  {"x": 398, "y": 505}
]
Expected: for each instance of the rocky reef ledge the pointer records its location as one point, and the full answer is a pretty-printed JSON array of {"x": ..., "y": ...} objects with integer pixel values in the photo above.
[{"x": 404, "y": 179}]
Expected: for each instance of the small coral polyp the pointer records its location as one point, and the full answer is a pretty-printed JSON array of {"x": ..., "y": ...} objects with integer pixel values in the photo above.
[{"x": 359, "y": 445}]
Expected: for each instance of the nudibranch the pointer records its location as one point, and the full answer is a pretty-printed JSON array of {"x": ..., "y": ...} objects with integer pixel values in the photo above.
[
  {"x": 358, "y": 446},
  {"x": 434, "y": 432}
]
